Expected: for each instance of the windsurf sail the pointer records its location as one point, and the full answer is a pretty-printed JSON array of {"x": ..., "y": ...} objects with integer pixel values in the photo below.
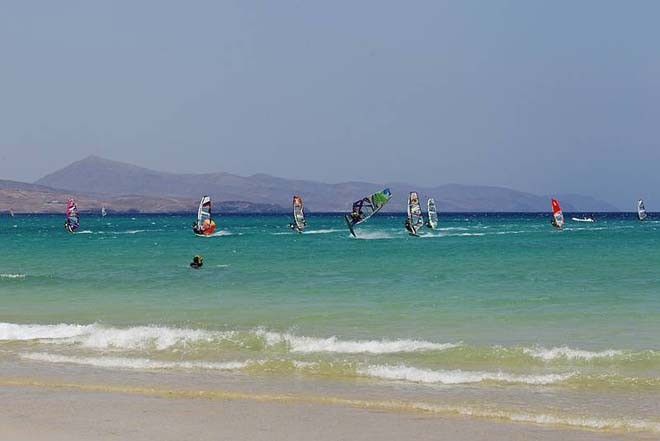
[
  {"x": 11, "y": 212},
  {"x": 204, "y": 225},
  {"x": 432, "y": 213},
  {"x": 103, "y": 211},
  {"x": 557, "y": 215},
  {"x": 298, "y": 214},
  {"x": 415, "y": 218},
  {"x": 367, "y": 207},
  {"x": 641, "y": 210},
  {"x": 72, "y": 221}
]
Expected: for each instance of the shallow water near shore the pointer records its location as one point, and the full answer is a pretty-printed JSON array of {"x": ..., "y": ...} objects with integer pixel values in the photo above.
[{"x": 497, "y": 316}]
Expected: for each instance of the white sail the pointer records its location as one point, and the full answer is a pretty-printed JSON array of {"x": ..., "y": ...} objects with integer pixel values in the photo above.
[
  {"x": 415, "y": 218},
  {"x": 204, "y": 211},
  {"x": 432, "y": 214},
  {"x": 298, "y": 214},
  {"x": 103, "y": 211},
  {"x": 641, "y": 210}
]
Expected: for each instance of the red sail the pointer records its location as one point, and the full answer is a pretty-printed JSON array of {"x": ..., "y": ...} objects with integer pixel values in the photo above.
[{"x": 555, "y": 206}]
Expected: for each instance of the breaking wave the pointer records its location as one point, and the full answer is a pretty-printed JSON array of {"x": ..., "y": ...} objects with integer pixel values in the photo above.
[
  {"x": 417, "y": 375},
  {"x": 134, "y": 363},
  {"x": 564, "y": 352},
  {"x": 96, "y": 336},
  {"x": 13, "y": 276},
  {"x": 333, "y": 344}
]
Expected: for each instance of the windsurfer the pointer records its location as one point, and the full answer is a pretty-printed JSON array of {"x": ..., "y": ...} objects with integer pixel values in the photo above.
[
  {"x": 409, "y": 226},
  {"x": 356, "y": 215},
  {"x": 197, "y": 262}
]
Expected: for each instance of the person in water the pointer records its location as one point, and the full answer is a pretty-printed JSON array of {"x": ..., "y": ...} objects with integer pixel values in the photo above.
[{"x": 197, "y": 262}]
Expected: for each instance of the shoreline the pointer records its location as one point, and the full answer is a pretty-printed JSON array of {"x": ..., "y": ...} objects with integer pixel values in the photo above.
[
  {"x": 44, "y": 410},
  {"x": 251, "y": 407}
]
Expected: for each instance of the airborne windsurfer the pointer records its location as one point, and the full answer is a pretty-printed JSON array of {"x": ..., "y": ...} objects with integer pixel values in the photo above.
[{"x": 356, "y": 214}]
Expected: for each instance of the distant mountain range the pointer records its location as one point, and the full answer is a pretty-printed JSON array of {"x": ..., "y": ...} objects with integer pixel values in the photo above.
[{"x": 122, "y": 187}]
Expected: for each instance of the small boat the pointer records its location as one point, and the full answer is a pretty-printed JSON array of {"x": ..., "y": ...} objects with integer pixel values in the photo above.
[
  {"x": 72, "y": 221},
  {"x": 415, "y": 218},
  {"x": 583, "y": 219},
  {"x": 641, "y": 210},
  {"x": 204, "y": 226},
  {"x": 557, "y": 220},
  {"x": 366, "y": 207},
  {"x": 432, "y": 222},
  {"x": 299, "y": 222}
]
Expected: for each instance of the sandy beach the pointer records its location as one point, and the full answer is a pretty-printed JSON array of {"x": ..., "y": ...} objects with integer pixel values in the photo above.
[
  {"x": 68, "y": 404},
  {"x": 46, "y": 413}
]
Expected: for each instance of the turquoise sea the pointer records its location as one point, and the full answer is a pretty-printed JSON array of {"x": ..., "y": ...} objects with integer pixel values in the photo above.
[{"x": 491, "y": 315}]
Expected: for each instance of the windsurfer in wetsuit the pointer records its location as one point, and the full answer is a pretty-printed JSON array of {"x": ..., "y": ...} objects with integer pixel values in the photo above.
[
  {"x": 197, "y": 262},
  {"x": 356, "y": 214},
  {"x": 409, "y": 226}
]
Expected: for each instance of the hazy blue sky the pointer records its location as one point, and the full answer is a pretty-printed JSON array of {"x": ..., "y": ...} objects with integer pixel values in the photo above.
[{"x": 555, "y": 96}]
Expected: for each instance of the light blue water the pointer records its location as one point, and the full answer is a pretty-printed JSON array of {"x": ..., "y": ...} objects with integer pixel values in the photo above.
[{"x": 500, "y": 300}]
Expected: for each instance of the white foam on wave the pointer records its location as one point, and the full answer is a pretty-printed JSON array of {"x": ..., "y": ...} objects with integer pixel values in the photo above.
[
  {"x": 85, "y": 232},
  {"x": 564, "y": 352},
  {"x": 13, "y": 276},
  {"x": 326, "y": 231},
  {"x": 134, "y": 363},
  {"x": 221, "y": 233},
  {"x": 372, "y": 235},
  {"x": 427, "y": 376},
  {"x": 100, "y": 337},
  {"x": 583, "y": 422},
  {"x": 16, "y": 332},
  {"x": 144, "y": 337},
  {"x": 96, "y": 336},
  {"x": 333, "y": 344}
]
